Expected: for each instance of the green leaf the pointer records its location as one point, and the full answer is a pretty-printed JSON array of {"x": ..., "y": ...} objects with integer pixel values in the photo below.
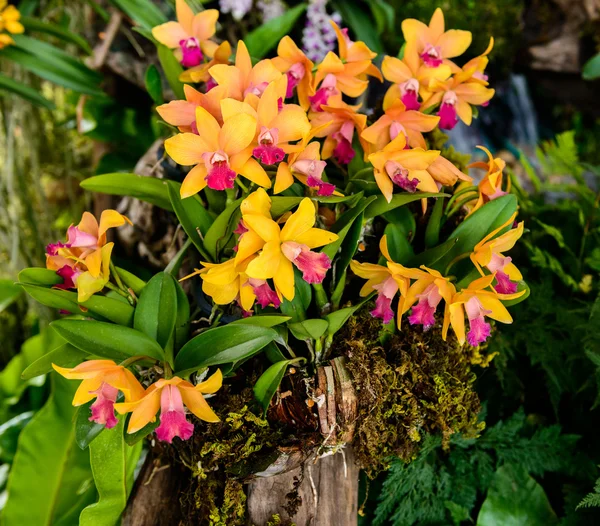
[
  {"x": 296, "y": 309},
  {"x": 85, "y": 430},
  {"x": 25, "y": 92},
  {"x": 172, "y": 70},
  {"x": 398, "y": 245},
  {"x": 156, "y": 311},
  {"x": 64, "y": 356},
  {"x": 384, "y": 15},
  {"x": 49, "y": 470},
  {"x": 132, "y": 439},
  {"x": 470, "y": 232},
  {"x": 349, "y": 248},
  {"x": 131, "y": 280},
  {"x": 191, "y": 214},
  {"x": 432, "y": 232},
  {"x": 148, "y": 189},
  {"x": 220, "y": 231},
  {"x": 107, "y": 340},
  {"x": 308, "y": 329},
  {"x": 154, "y": 84},
  {"x": 360, "y": 22},
  {"x": 220, "y": 345},
  {"x": 113, "y": 464},
  {"x": 338, "y": 318},
  {"x": 36, "y": 25},
  {"x": 381, "y": 206},
  {"x": 268, "y": 383},
  {"x": 266, "y": 36},
  {"x": 39, "y": 276},
  {"x": 591, "y": 69},
  {"x": 143, "y": 12},
  {"x": 282, "y": 204},
  {"x": 515, "y": 498},
  {"x": 9, "y": 293},
  {"x": 101, "y": 307},
  {"x": 264, "y": 320},
  {"x": 182, "y": 321}
]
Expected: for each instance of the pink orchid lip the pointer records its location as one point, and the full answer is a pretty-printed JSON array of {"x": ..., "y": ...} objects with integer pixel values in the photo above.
[
  {"x": 52, "y": 248},
  {"x": 327, "y": 89},
  {"x": 267, "y": 151},
  {"x": 313, "y": 265},
  {"x": 424, "y": 312},
  {"x": 396, "y": 129},
  {"x": 343, "y": 152},
  {"x": 102, "y": 409},
  {"x": 409, "y": 94},
  {"x": 432, "y": 56},
  {"x": 69, "y": 275},
  {"x": 323, "y": 189},
  {"x": 479, "y": 328},
  {"x": 386, "y": 292},
  {"x": 294, "y": 75},
  {"x": 220, "y": 175},
  {"x": 191, "y": 53},
  {"x": 504, "y": 285},
  {"x": 256, "y": 89},
  {"x": 173, "y": 422},
  {"x": 79, "y": 239},
  {"x": 447, "y": 111},
  {"x": 399, "y": 175},
  {"x": 265, "y": 295}
]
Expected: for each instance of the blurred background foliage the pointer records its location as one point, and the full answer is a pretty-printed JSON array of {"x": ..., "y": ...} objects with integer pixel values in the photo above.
[{"x": 537, "y": 458}]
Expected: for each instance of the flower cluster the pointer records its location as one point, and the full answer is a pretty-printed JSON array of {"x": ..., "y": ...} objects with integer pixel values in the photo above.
[
  {"x": 9, "y": 23},
  {"x": 102, "y": 380}
]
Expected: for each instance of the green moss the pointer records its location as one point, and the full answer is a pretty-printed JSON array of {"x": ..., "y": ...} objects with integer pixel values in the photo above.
[
  {"x": 415, "y": 384},
  {"x": 437, "y": 140}
]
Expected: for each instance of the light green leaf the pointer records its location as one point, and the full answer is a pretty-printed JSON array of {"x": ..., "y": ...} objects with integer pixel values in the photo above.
[
  {"x": 131, "y": 280},
  {"x": 156, "y": 311},
  {"x": 107, "y": 340},
  {"x": 154, "y": 84},
  {"x": 39, "y": 276},
  {"x": 338, "y": 318},
  {"x": 220, "y": 231},
  {"x": 515, "y": 499},
  {"x": 142, "y": 12},
  {"x": 49, "y": 470},
  {"x": 64, "y": 356},
  {"x": 148, "y": 189},
  {"x": 33, "y": 25},
  {"x": 9, "y": 293},
  {"x": 191, "y": 214},
  {"x": 591, "y": 69},
  {"x": 268, "y": 383},
  {"x": 308, "y": 329},
  {"x": 113, "y": 463},
  {"x": 220, "y": 345},
  {"x": 266, "y": 36},
  {"x": 172, "y": 70}
]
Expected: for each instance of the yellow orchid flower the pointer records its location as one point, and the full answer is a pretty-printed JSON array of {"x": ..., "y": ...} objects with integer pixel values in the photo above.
[
  {"x": 337, "y": 123},
  {"x": 489, "y": 253},
  {"x": 84, "y": 260},
  {"x": 276, "y": 124},
  {"x": 433, "y": 44},
  {"x": 478, "y": 64},
  {"x": 182, "y": 113},
  {"x": 386, "y": 281},
  {"x": 427, "y": 292},
  {"x": 200, "y": 72},
  {"x": 405, "y": 168},
  {"x": 456, "y": 96},
  {"x": 352, "y": 52},
  {"x": 292, "y": 61},
  {"x": 490, "y": 187},
  {"x": 102, "y": 380},
  {"x": 9, "y": 21},
  {"x": 287, "y": 246},
  {"x": 410, "y": 79},
  {"x": 190, "y": 35},
  {"x": 478, "y": 303},
  {"x": 398, "y": 120},
  {"x": 169, "y": 396},
  {"x": 219, "y": 153},
  {"x": 243, "y": 80}
]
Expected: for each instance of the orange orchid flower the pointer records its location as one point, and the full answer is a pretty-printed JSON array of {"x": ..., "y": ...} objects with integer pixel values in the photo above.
[
  {"x": 102, "y": 380},
  {"x": 306, "y": 166},
  {"x": 405, "y": 168},
  {"x": 480, "y": 63},
  {"x": 398, "y": 120},
  {"x": 182, "y": 113},
  {"x": 410, "y": 79},
  {"x": 9, "y": 21},
  {"x": 292, "y": 61},
  {"x": 337, "y": 123},
  {"x": 190, "y": 35},
  {"x": 434, "y": 45},
  {"x": 218, "y": 154},
  {"x": 490, "y": 187},
  {"x": 169, "y": 396},
  {"x": 83, "y": 261},
  {"x": 242, "y": 80},
  {"x": 276, "y": 125},
  {"x": 455, "y": 96}
]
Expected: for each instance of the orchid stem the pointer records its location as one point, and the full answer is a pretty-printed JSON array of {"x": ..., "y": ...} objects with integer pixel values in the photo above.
[
  {"x": 119, "y": 292},
  {"x": 241, "y": 185},
  {"x": 133, "y": 359},
  {"x": 117, "y": 277}
]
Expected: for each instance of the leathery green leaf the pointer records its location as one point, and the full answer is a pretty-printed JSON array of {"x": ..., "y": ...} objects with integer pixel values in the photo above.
[{"x": 268, "y": 383}]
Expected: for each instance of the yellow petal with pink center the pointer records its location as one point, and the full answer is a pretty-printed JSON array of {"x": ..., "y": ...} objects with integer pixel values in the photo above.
[
  {"x": 263, "y": 226},
  {"x": 300, "y": 221},
  {"x": 265, "y": 266},
  {"x": 194, "y": 181},
  {"x": 493, "y": 304},
  {"x": 186, "y": 148},
  {"x": 84, "y": 392},
  {"x": 170, "y": 34},
  {"x": 143, "y": 411},
  {"x": 237, "y": 133}
]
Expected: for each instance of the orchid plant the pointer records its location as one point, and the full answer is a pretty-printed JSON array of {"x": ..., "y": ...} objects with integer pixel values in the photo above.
[{"x": 293, "y": 193}]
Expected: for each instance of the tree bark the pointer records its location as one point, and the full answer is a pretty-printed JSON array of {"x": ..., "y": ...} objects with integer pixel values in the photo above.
[{"x": 329, "y": 493}]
